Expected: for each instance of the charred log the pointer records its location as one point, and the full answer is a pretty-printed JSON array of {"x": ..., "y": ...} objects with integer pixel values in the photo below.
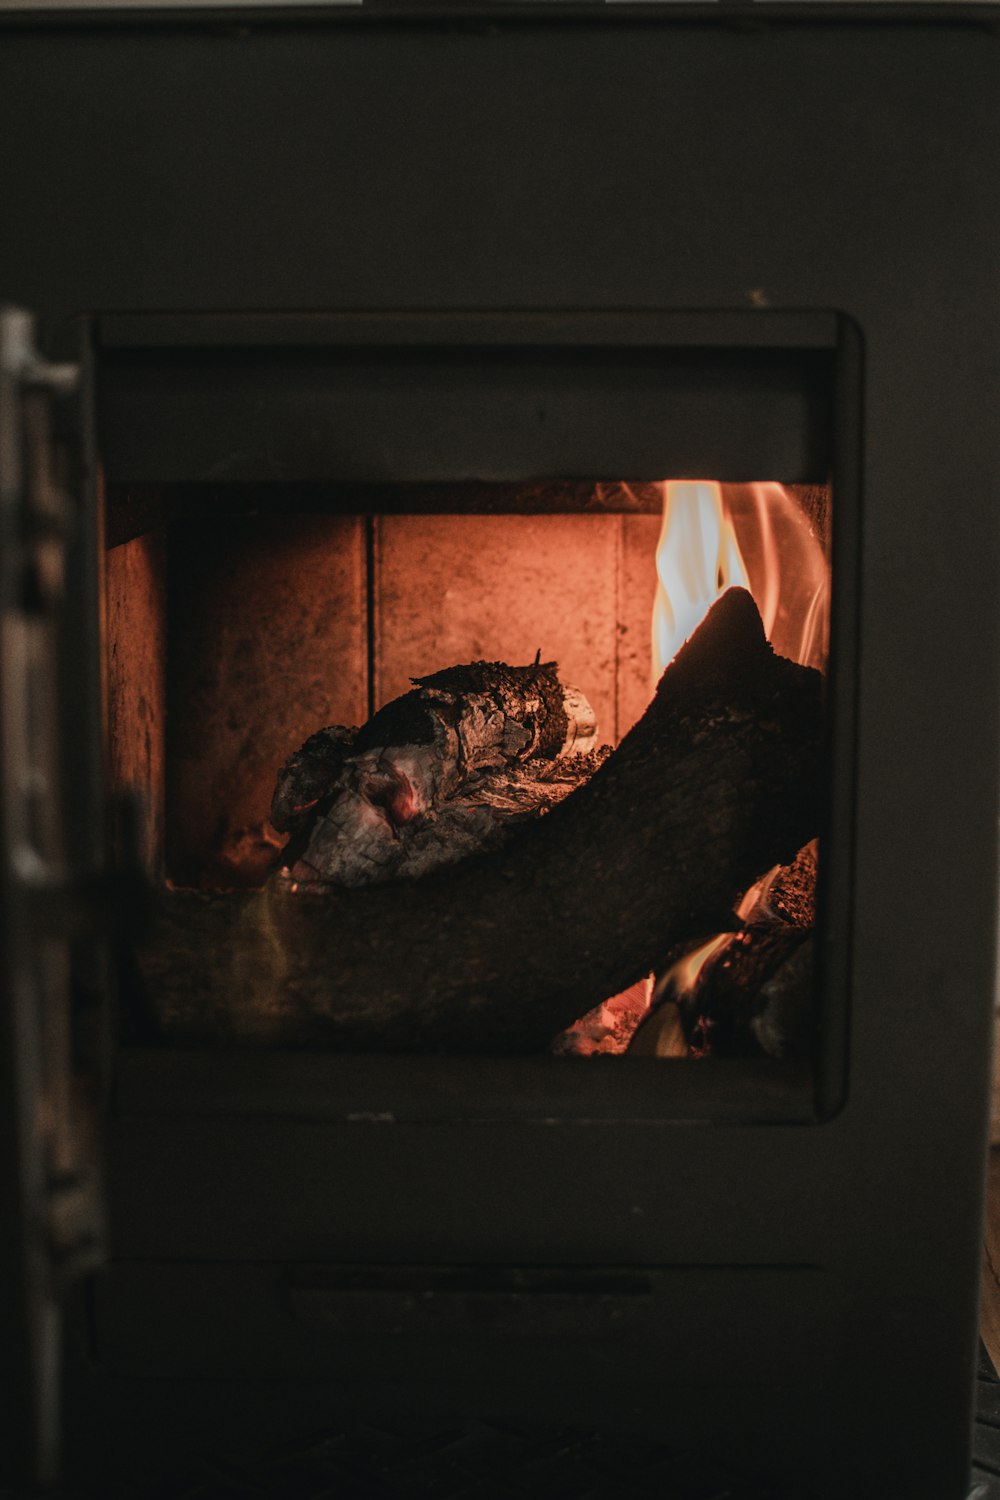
[
  {"x": 782, "y": 1023},
  {"x": 787, "y": 894},
  {"x": 308, "y": 776},
  {"x": 447, "y": 769},
  {"x": 718, "y": 782}
]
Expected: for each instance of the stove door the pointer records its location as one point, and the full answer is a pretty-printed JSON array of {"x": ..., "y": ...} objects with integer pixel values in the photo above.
[{"x": 50, "y": 893}]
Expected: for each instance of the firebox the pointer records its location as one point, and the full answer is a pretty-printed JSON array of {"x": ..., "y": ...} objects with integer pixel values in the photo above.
[
  {"x": 500, "y": 753},
  {"x": 216, "y": 592}
]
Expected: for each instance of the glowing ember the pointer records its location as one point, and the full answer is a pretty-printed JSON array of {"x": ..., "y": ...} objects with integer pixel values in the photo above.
[{"x": 756, "y": 536}]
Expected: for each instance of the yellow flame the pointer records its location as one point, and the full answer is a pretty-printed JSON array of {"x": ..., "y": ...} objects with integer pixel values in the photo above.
[
  {"x": 755, "y": 536},
  {"x": 689, "y": 968},
  {"x": 756, "y": 893},
  {"x": 789, "y": 571},
  {"x": 682, "y": 976},
  {"x": 697, "y": 559}
]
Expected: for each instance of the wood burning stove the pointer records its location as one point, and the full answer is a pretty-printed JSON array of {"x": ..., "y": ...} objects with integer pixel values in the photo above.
[{"x": 548, "y": 253}]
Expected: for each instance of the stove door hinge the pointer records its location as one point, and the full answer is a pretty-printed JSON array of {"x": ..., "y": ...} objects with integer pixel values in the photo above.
[{"x": 50, "y": 906}]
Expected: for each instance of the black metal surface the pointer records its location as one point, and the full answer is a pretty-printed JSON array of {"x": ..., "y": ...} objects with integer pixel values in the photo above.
[
  {"x": 403, "y": 1326},
  {"x": 50, "y": 827},
  {"x": 169, "y": 13},
  {"x": 480, "y": 1461},
  {"x": 156, "y": 1086},
  {"x": 408, "y": 397},
  {"x": 409, "y": 414},
  {"x": 485, "y": 1460},
  {"x": 678, "y": 167}
]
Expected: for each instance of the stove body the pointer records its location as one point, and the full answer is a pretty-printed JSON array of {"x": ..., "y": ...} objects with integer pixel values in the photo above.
[{"x": 525, "y": 221}]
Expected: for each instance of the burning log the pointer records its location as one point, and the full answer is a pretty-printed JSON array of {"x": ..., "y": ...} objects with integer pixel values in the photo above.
[
  {"x": 750, "y": 992},
  {"x": 436, "y": 775},
  {"x": 719, "y": 781}
]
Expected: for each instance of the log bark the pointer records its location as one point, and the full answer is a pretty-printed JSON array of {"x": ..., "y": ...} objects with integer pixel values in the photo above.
[
  {"x": 719, "y": 781},
  {"x": 448, "y": 769}
]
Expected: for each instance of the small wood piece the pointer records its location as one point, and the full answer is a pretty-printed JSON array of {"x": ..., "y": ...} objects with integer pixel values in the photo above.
[
  {"x": 753, "y": 995},
  {"x": 719, "y": 781}
]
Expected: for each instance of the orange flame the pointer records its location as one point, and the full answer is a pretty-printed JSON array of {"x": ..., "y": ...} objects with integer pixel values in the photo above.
[{"x": 756, "y": 536}]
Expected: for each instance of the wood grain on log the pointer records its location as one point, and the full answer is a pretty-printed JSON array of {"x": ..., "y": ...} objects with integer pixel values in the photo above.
[{"x": 720, "y": 780}]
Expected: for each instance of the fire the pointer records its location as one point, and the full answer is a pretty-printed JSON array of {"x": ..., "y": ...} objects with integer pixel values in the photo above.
[
  {"x": 683, "y": 975},
  {"x": 715, "y": 537},
  {"x": 697, "y": 559},
  {"x": 757, "y": 894},
  {"x": 754, "y": 536}
]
